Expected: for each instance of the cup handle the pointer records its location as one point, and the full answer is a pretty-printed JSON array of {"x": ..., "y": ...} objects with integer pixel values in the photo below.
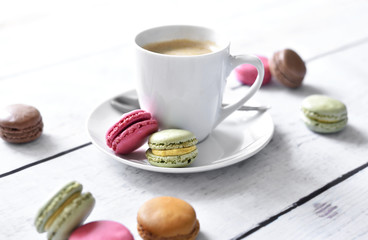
[{"x": 235, "y": 61}]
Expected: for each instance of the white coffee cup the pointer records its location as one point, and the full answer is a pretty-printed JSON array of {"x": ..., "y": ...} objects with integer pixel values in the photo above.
[{"x": 186, "y": 91}]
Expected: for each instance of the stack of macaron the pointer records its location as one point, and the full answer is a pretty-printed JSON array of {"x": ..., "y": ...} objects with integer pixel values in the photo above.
[
  {"x": 286, "y": 66},
  {"x": 167, "y": 148},
  {"x": 20, "y": 123},
  {"x": 62, "y": 215}
]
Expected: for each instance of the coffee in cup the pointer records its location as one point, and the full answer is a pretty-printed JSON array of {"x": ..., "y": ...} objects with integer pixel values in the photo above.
[{"x": 182, "y": 47}]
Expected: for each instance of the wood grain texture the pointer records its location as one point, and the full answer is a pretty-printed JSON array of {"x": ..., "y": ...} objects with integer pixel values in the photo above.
[
  {"x": 65, "y": 59},
  {"x": 67, "y": 82},
  {"x": 65, "y": 95},
  {"x": 339, "y": 213}
]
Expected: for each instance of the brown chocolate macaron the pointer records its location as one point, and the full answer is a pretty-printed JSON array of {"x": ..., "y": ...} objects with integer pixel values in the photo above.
[
  {"x": 288, "y": 68},
  {"x": 20, "y": 123},
  {"x": 167, "y": 218}
]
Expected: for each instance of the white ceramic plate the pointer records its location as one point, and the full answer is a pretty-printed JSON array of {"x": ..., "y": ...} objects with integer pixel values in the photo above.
[{"x": 237, "y": 138}]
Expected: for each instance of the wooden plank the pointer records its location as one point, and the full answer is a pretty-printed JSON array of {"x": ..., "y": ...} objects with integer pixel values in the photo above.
[
  {"x": 65, "y": 117},
  {"x": 65, "y": 95},
  {"x": 235, "y": 198},
  {"x": 54, "y": 34},
  {"x": 75, "y": 88},
  {"x": 295, "y": 163},
  {"x": 120, "y": 190},
  {"x": 339, "y": 213},
  {"x": 251, "y": 191}
]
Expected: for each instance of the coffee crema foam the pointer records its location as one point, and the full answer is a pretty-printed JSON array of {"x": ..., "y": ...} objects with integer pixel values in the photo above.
[{"x": 182, "y": 47}]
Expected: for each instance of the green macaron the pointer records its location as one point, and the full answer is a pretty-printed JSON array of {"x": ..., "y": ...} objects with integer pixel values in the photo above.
[
  {"x": 324, "y": 114},
  {"x": 64, "y": 211},
  {"x": 172, "y": 148}
]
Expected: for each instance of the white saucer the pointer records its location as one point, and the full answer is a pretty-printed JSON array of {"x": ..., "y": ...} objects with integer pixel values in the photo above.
[{"x": 237, "y": 138}]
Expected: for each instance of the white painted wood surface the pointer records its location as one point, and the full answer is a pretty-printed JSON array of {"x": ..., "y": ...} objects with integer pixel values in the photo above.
[
  {"x": 65, "y": 58},
  {"x": 339, "y": 213}
]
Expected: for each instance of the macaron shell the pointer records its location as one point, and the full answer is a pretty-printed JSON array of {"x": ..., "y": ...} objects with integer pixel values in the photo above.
[
  {"x": 247, "y": 73},
  {"x": 126, "y": 120},
  {"x": 171, "y": 139},
  {"x": 134, "y": 136},
  {"x": 54, "y": 203},
  {"x": 71, "y": 217},
  {"x": 19, "y": 116},
  {"x": 324, "y": 109},
  {"x": 171, "y": 161},
  {"x": 22, "y": 135},
  {"x": 291, "y": 64},
  {"x": 146, "y": 235},
  {"x": 101, "y": 230},
  {"x": 323, "y": 127}
]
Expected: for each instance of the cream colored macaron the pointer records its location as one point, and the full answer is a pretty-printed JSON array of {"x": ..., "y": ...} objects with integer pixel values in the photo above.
[{"x": 64, "y": 211}]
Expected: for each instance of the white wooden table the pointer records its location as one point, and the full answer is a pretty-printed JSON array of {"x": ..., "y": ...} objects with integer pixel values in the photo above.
[{"x": 67, "y": 57}]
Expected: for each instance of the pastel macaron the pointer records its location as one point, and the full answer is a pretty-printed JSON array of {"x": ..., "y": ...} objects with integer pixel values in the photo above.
[
  {"x": 172, "y": 148},
  {"x": 131, "y": 131},
  {"x": 167, "y": 218},
  {"x": 102, "y": 230},
  {"x": 20, "y": 123},
  {"x": 288, "y": 68},
  {"x": 64, "y": 211},
  {"x": 247, "y": 73},
  {"x": 324, "y": 114}
]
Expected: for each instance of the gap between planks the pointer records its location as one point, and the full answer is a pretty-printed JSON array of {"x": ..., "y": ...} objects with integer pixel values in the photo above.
[
  {"x": 339, "y": 49},
  {"x": 44, "y": 160},
  {"x": 301, "y": 201}
]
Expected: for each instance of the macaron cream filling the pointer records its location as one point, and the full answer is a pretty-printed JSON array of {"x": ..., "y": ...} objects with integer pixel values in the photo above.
[
  {"x": 325, "y": 118},
  {"x": 71, "y": 217},
  {"x": 174, "y": 152},
  {"x": 54, "y": 203},
  {"x": 59, "y": 210}
]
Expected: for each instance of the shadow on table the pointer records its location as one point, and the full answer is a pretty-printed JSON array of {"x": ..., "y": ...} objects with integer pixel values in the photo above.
[
  {"x": 202, "y": 236},
  {"x": 249, "y": 175},
  {"x": 349, "y": 135},
  {"x": 304, "y": 90}
]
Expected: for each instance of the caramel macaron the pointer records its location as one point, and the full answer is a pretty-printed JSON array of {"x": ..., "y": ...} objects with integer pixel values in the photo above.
[
  {"x": 288, "y": 68},
  {"x": 20, "y": 123},
  {"x": 167, "y": 218}
]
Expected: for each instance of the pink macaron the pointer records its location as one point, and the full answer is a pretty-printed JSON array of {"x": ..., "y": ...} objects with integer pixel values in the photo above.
[
  {"x": 247, "y": 74},
  {"x": 101, "y": 230},
  {"x": 131, "y": 131}
]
